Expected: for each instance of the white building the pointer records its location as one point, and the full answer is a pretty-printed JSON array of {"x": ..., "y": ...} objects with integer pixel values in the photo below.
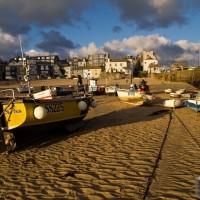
[
  {"x": 148, "y": 57},
  {"x": 68, "y": 71},
  {"x": 82, "y": 62},
  {"x": 147, "y": 63},
  {"x": 118, "y": 65},
  {"x": 155, "y": 68},
  {"x": 91, "y": 72}
]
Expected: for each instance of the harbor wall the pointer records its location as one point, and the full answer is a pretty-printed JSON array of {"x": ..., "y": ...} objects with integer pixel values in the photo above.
[{"x": 188, "y": 76}]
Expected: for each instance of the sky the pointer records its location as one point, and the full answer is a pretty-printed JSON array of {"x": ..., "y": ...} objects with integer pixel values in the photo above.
[{"x": 170, "y": 28}]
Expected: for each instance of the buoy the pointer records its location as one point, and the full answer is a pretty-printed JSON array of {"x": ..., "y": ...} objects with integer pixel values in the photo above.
[
  {"x": 40, "y": 112},
  {"x": 93, "y": 104},
  {"x": 82, "y": 105}
]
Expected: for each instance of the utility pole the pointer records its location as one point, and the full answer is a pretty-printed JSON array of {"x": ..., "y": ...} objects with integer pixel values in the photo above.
[{"x": 197, "y": 57}]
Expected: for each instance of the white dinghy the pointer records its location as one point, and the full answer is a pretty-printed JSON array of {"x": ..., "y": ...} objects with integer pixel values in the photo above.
[
  {"x": 167, "y": 91},
  {"x": 173, "y": 103}
]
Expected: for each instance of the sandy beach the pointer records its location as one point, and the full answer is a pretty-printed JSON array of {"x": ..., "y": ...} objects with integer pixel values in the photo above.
[{"x": 122, "y": 152}]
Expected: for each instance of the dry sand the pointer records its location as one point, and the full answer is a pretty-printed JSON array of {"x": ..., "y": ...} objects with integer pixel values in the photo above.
[{"x": 114, "y": 156}]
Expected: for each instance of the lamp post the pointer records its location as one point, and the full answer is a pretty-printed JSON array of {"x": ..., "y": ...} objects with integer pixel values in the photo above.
[
  {"x": 197, "y": 57},
  {"x": 87, "y": 80},
  {"x": 106, "y": 75},
  {"x": 131, "y": 75},
  {"x": 197, "y": 65}
]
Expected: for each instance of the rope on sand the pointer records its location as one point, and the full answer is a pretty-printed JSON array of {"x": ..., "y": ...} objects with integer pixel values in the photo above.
[{"x": 153, "y": 174}]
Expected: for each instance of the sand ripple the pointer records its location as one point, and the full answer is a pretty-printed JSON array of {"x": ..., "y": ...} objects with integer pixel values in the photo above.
[{"x": 111, "y": 157}]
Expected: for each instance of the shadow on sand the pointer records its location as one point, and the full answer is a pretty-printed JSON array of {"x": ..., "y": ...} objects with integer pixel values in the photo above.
[{"x": 111, "y": 119}]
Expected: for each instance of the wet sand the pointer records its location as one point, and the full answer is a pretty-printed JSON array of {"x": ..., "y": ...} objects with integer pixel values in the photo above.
[{"x": 115, "y": 155}]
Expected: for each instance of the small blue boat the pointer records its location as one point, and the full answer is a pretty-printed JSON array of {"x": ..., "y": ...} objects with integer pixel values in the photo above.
[{"x": 193, "y": 103}]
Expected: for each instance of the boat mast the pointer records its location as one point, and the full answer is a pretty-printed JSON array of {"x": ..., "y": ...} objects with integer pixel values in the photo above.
[{"x": 26, "y": 76}]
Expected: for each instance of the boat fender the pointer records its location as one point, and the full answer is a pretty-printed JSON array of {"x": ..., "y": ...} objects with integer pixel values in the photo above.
[
  {"x": 82, "y": 105},
  {"x": 93, "y": 104},
  {"x": 40, "y": 112}
]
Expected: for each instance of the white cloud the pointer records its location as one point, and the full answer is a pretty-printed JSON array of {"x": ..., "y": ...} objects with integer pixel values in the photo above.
[
  {"x": 8, "y": 43},
  {"x": 91, "y": 49},
  {"x": 6, "y": 38},
  {"x": 34, "y": 52},
  {"x": 186, "y": 45},
  {"x": 136, "y": 44},
  {"x": 166, "y": 50}
]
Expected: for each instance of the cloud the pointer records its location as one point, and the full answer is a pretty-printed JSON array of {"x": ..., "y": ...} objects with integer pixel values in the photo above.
[
  {"x": 33, "y": 52},
  {"x": 9, "y": 45},
  {"x": 116, "y": 29},
  {"x": 91, "y": 49},
  {"x": 166, "y": 51},
  {"x": 53, "y": 41},
  {"x": 151, "y": 14},
  {"x": 136, "y": 44},
  {"x": 186, "y": 45},
  {"x": 25, "y": 15},
  {"x": 18, "y": 17}
]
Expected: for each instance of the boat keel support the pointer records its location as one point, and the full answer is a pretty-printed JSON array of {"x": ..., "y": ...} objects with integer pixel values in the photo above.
[
  {"x": 2, "y": 142},
  {"x": 9, "y": 141}
]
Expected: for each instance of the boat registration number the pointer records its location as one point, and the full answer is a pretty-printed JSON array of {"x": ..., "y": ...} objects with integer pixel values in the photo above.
[
  {"x": 54, "y": 108},
  {"x": 12, "y": 111}
]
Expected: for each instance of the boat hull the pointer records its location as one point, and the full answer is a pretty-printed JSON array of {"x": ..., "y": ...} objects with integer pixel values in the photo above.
[
  {"x": 111, "y": 90},
  {"x": 22, "y": 113},
  {"x": 194, "y": 104},
  {"x": 28, "y": 116},
  {"x": 97, "y": 90},
  {"x": 25, "y": 89},
  {"x": 173, "y": 103},
  {"x": 133, "y": 97}
]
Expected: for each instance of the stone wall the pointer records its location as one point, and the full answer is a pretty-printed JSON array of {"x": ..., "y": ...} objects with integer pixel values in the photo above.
[
  {"x": 179, "y": 76},
  {"x": 113, "y": 76},
  {"x": 188, "y": 76}
]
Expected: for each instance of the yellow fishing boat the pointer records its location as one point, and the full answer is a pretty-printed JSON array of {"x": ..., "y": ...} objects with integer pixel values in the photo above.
[{"x": 39, "y": 113}]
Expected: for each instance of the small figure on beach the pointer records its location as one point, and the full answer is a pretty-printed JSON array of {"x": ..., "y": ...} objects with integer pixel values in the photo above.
[
  {"x": 143, "y": 82},
  {"x": 80, "y": 82},
  {"x": 135, "y": 86},
  {"x": 143, "y": 86},
  {"x": 42, "y": 88}
]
